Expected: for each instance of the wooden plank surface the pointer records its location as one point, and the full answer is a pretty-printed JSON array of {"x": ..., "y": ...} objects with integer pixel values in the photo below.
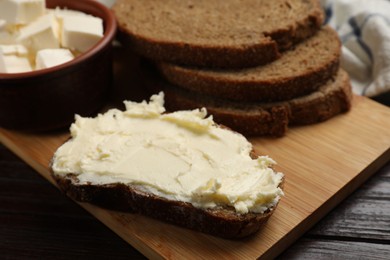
[
  {"x": 367, "y": 213},
  {"x": 359, "y": 228},
  {"x": 323, "y": 164},
  {"x": 38, "y": 222}
]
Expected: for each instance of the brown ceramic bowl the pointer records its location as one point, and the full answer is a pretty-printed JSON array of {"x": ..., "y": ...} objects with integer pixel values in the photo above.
[{"x": 49, "y": 98}]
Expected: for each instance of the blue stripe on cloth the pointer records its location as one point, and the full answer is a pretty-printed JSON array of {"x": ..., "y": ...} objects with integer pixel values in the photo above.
[
  {"x": 328, "y": 13},
  {"x": 347, "y": 36},
  {"x": 357, "y": 31},
  {"x": 375, "y": 15}
]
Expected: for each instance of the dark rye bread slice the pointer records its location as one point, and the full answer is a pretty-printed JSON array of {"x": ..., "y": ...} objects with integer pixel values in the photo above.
[
  {"x": 221, "y": 222},
  {"x": 255, "y": 118},
  {"x": 299, "y": 71},
  {"x": 220, "y": 33}
]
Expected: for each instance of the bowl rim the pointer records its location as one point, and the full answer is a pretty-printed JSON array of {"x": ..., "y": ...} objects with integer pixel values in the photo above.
[{"x": 109, "y": 33}]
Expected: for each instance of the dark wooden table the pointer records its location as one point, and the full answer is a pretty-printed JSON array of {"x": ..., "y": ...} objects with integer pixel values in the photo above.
[{"x": 38, "y": 222}]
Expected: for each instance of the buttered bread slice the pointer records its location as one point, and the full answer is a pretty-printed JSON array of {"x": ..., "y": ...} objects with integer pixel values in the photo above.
[
  {"x": 298, "y": 72},
  {"x": 219, "y": 33},
  {"x": 179, "y": 167}
]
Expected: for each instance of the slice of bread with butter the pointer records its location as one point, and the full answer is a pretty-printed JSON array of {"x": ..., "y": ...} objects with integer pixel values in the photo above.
[{"x": 178, "y": 167}]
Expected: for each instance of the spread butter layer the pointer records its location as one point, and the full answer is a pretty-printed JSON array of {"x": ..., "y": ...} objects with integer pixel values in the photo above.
[{"x": 181, "y": 156}]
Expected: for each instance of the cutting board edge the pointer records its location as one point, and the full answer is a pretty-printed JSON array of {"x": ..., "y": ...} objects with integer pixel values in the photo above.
[
  {"x": 328, "y": 205},
  {"x": 22, "y": 155},
  {"x": 147, "y": 251},
  {"x": 288, "y": 238},
  {"x": 278, "y": 247}
]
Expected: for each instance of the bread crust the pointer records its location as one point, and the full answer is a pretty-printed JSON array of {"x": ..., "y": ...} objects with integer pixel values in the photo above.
[
  {"x": 203, "y": 56},
  {"x": 326, "y": 103},
  {"x": 259, "y": 118},
  {"x": 247, "y": 85},
  {"x": 213, "y": 55},
  {"x": 264, "y": 120},
  {"x": 221, "y": 222}
]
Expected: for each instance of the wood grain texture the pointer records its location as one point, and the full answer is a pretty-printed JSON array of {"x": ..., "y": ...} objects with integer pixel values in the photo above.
[
  {"x": 365, "y": 215},
  {"x": 358, "y": 228},
  {"x": 333, "y": 249},
  {"x": 323, "y": 164},
  {"x": 38, "y": 222}
]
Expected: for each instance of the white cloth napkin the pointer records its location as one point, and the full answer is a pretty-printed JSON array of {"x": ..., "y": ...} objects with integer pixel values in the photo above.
[{"x": 364, "y": 29}]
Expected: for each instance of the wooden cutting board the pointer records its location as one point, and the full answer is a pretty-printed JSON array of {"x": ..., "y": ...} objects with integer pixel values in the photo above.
[{"x": 323, "y": 163}]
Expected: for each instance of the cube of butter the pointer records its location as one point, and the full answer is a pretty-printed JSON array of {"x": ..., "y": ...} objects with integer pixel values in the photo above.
[
  {"x": 21, "y": 11},
  {"x": 6, "y": 37},
  {"x": 42, "y": 33},
  {"x": 80, "y": 32},
  {"x": 14, "y": 59},
  {"x": 52, "y": 57}
]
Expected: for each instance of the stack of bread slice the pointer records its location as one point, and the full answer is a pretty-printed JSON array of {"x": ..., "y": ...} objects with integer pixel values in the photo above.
[{"x": 258, "y": 66}]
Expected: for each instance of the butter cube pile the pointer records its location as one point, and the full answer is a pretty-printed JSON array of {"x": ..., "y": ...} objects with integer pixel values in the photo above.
[{"x": 33, "y": 37}]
